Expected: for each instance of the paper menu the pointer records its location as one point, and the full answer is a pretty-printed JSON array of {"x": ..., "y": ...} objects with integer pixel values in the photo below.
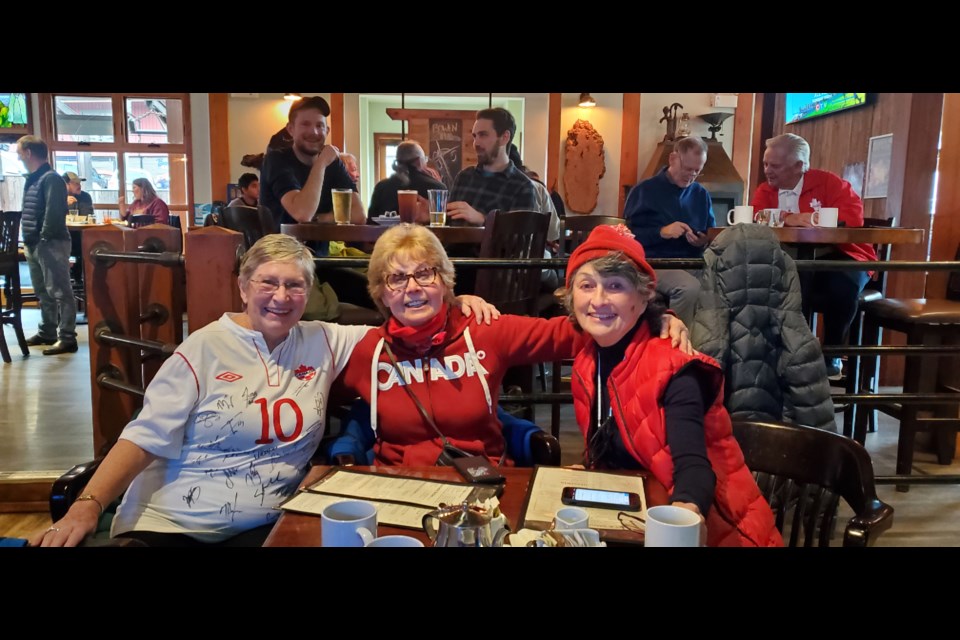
[
  {"x": 401, "y": 501},
  {"x": 546, "y": 487}
]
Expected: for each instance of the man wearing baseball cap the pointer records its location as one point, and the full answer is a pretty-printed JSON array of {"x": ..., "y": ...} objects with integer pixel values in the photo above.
[{"x": 77, "y": 198}]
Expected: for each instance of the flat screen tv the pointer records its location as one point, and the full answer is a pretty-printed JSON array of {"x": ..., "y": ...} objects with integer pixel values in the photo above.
[{"x": 803, "y": 106}]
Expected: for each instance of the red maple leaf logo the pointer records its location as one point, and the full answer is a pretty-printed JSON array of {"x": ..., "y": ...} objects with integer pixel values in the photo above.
[{"x": 305, "y": 373}]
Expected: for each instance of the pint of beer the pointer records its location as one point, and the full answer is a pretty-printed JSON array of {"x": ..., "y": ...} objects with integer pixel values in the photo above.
[
  {"x": 407, "y": 204},
  {"x": 341, "y": 205}
]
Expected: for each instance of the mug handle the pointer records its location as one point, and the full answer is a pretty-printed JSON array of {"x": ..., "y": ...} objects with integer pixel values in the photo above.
[
  {"x": 365, "y": 535},
  {"x": 815, "y": 218},
  {"x": 730, "y": 217}
]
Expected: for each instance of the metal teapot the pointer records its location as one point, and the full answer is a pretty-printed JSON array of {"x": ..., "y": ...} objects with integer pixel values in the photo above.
[{"x": 462, "y": 526}]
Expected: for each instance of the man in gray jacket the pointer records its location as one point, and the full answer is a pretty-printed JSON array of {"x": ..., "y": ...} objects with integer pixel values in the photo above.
[{"x": 46, "y": 242}]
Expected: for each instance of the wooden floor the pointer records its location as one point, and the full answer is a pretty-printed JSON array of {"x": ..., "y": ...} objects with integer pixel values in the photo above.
[{"x": 46, "y": 417}]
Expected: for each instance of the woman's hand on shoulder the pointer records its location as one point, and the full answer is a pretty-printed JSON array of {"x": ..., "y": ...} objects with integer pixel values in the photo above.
[
  {"x": 69, "y": 531},
  {"x": 674, "y": 329},
  {"x": 484, "y": 311}
]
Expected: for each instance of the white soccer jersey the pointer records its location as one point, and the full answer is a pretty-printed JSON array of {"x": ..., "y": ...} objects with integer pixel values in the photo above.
[{"x": 234, "y": 426}]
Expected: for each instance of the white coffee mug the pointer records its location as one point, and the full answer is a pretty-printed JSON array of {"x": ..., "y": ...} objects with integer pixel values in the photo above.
[
  {"x": 394, "y": 541},
  {"x": 826, "y": 217},
  {"x": 348, "y": 523},
  {"x": 740, "y": 215},
  {"x": 672, "y": 526},
  {"x": 571, "y": 518}
]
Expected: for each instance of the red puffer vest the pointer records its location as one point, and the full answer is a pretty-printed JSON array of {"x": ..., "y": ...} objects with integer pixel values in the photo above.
[{"x": 740, "y": 516}]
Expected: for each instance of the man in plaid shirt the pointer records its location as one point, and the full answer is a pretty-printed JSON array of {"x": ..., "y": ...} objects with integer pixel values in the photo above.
[{"x": 495, "y": 184}]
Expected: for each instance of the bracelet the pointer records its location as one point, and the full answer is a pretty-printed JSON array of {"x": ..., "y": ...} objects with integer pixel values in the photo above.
[{"x": 92, "y": 497}]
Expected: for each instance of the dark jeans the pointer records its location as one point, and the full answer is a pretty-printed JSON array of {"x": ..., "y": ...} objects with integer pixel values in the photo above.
[
  {"x": 834, "y": 294},
  {"x": 251, "y": 538},
  {"x": 49, "y": 263}
]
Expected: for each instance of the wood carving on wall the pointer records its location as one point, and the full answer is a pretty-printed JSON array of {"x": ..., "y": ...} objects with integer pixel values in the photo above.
[{"x": 584, "y": 166}]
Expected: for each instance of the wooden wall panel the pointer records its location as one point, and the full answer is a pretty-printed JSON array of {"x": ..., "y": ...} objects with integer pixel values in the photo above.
[
  {"x": 336, "y": 120},
  {"x": 553, "y": 142},
  {"x": 219, "y": 145},
  {"x": 742, "y": 138},
  {"x": 629, "y": 143},
  {"x": 946, "y": 221}
]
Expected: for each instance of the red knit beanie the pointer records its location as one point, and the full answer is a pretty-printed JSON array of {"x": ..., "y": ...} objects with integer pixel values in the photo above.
[{"x": 607, "y": 239}]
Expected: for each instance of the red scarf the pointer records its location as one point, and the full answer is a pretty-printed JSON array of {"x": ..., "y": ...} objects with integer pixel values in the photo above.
[{"x": 420, "y": 338}]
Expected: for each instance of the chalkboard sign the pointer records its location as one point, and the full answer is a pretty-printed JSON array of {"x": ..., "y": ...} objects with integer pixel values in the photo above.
[{"x": 446, "y": 138}]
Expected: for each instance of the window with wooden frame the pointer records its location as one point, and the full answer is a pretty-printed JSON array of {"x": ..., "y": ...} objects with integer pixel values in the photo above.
[
  {"x": 111, "y": 139},
  {"x": 385, "y": 152}
]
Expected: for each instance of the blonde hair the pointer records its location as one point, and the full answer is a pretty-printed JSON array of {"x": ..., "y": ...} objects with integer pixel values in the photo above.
[
  {"x": 410, "y": 242},
  {"x": 277, "y": 247}
]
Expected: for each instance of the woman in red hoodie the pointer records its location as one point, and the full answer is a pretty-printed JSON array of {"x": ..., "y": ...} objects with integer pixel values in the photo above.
[
  {"x": 428, "y": 373},
  {"x": 643, "y": 404}
]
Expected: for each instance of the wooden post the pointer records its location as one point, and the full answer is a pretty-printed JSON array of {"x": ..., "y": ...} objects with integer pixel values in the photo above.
[
  {"x": 629, "y": 144},
  {"x": 212, "y": 274},
  {"x": 111, "y": 301},
  {"x": 160, "y": 286}
]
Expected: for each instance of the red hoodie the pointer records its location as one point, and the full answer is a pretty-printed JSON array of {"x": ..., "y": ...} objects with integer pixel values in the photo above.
[{"x": 458, "y": 384}]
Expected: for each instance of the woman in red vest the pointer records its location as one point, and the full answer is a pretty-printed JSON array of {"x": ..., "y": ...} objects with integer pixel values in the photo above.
[{"x": 657, "y": 408}]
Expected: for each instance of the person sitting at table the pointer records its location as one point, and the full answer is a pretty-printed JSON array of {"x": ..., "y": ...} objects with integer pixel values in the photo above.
[
  {"x": 642, "y": 403},
  {"x": 147, "y": 202},
  {"x": 409, "y": 173},
  {"x": 792, "y": 186},
  {"x": 249, "y": 185},
  {"x": 209, "y": 459},
  {"x": 670, "y": 214},
  {"x": 77, "y": 198},
  {"x": 353, "y": 168},
  {"x": 429, "y": 375}
]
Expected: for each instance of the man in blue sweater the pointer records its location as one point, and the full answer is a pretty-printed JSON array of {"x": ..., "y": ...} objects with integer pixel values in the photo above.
[{"x": 670, "y": 214}]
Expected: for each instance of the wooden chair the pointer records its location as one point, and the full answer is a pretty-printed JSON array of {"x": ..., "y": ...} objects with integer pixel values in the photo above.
[
  {"x": 253, "y": 223},
  {"x": 574, "y": 231},
  {"x": 141, "y": 220},
  {"x": 10, "y": 272},
  {"x": 925, "y": 321},
  {"x": 803, "y": 472},
  {"x": 513, "y": 235}
]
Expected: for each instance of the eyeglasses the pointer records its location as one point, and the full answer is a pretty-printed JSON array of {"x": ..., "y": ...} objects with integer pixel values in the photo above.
[
  {"x": 270, "y": 286},
  {"x": 631, "y": 522},
  {"x": 424, "y": 277}
]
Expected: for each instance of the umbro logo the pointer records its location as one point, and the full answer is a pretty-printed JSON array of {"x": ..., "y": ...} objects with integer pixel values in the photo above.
[{"x": 229, "y": 376}]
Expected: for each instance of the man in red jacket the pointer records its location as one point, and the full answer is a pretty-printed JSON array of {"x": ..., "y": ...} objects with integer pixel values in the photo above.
[{"x": 792, "y": 186}]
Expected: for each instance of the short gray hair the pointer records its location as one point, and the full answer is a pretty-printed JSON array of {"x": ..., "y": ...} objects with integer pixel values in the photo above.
[
  {"x": 690, "y": 143},
  {"x": 277, "y": 247},
  {"x": 796, "y": 148}
]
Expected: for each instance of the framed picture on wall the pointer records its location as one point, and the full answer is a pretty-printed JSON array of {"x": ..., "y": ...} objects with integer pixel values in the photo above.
[{"x": 877, "y": 177}]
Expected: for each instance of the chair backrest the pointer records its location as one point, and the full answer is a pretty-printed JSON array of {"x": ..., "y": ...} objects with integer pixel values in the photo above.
[
  {"x": 253, "y": 223},
  {"x": 513, "y": 234},
  {"x": 803, "y": 472},
  {"x": 9, "y": 230},
  {"x": 141, "y": 220},
  {"x": 879, "y": 281},
  {"x": 579, "y": 227}
]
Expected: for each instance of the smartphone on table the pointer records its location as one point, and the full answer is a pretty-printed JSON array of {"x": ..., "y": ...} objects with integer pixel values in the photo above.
[{"x": 620, "y": 500}]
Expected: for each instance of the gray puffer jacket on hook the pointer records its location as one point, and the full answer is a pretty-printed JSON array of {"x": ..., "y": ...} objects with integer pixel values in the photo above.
[{"x": 749, "y": 319}]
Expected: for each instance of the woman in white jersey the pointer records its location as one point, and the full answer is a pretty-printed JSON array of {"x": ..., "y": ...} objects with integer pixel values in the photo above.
[{"x": 230, "y": 421}]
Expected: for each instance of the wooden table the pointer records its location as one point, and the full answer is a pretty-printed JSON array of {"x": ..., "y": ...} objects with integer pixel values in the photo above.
[
  {"x": 839, "y": 235},
  {"x": 314, "y": 231},
  {"x": 303, "y": 530}
]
